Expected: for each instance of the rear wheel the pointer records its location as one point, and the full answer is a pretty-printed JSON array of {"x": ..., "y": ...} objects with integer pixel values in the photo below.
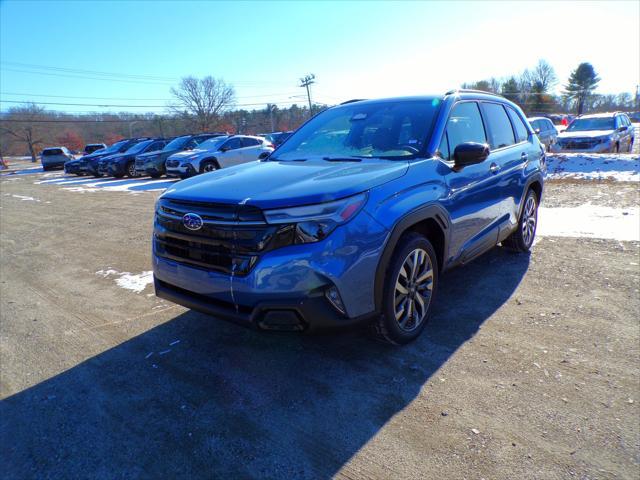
[
  {"x": 522, "y": 239},
  {"x": 155, "y": 175},
  {"x": 409, "y": 289}
]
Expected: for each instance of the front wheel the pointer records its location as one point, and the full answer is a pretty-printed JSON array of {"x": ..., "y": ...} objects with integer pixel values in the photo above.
[
  {"x": 522, "y": 239},
  {"x": 208, "y": 166},
  {"x": 409, "y": 289},
  {"x": 131, "y": 170}
]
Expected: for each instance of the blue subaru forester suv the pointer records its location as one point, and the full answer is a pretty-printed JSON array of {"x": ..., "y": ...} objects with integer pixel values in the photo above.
[{"x": 355, "y": 216}]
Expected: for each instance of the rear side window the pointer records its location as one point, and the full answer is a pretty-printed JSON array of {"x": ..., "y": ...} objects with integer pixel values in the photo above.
[
  {"x": 521, "y": 130},
  {"x": 465, "y": 125},
  {"x": 500, "y": 131}
]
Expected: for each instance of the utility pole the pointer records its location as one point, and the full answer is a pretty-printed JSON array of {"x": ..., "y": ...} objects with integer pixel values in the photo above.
[
  {"x": 305, "y": 82},
  {"x": 271, "y": 107}
]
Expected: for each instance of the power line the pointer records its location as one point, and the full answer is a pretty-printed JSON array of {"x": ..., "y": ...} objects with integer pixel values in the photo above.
[
  {"x": 130, "y": 98},
  {"x": 102, "y": 105}
]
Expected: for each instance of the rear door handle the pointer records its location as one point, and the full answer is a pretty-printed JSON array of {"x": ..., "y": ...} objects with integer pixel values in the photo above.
[{"x": 494, "y": 168}]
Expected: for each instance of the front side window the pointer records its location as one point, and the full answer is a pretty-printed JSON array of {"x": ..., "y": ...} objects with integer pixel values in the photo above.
[
  {"x": 177, "y": 143},
  {"x": 465, "y": 125},
  {"x": 139, "y": 147},
  {"x": 385, "y": 129},
  {"x": 500, "y": 130},
  {"x": 233, "y": 143}
]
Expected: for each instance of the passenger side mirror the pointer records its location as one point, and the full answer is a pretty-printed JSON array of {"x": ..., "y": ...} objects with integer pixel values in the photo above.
[
  {"x": 264, "y": 155},
  {"x": 469, "y": 153},
  {"x": 622, "y": 128},
  {"x": 224, "y": 149}
]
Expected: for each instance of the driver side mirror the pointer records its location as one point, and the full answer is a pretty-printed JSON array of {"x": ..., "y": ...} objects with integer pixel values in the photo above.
[
  {"x": 264, "y": 155},
  {"x": 469, "y": 153},
  {"x": 224, "y": 149},
  {"x": 622, "y": 128}
]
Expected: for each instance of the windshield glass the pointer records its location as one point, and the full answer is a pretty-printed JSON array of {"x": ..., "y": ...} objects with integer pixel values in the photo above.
[
  {"x": 596, "y": 123},
  {"x": 138, "y": 147},
  {"x": 212, "y": 143},
  {"x": 386, "y": 129},
  {"x": 115, "y": 147},
  {"x": 177, "y": 143}
]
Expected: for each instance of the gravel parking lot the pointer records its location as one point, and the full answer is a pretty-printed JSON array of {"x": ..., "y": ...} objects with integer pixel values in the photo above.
[{"x": 530, "y": 367}]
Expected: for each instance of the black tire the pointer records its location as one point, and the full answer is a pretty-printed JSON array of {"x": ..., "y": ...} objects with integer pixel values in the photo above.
[
  {"x": 131, "y": 170},
  {"x": 118, "y": 175},
  {"x": 208, "y": 166},
  {"x": 155, "y": 175},
  {"x": 616, "y": 148},
  {"x": 387, "y": 326},
  {"x": 631, "y": 145},
  {"x": 521, "y": 240},
  {"x": 45, "y": 169}
]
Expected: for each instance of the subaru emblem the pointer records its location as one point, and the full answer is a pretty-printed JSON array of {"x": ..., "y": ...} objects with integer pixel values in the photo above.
[{"x": 192, "y": 221}]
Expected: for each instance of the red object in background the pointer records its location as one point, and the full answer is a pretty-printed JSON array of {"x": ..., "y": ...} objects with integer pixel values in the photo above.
[
  {"x": 565, "y": 122},
  {"x": 70, "y": 139}
]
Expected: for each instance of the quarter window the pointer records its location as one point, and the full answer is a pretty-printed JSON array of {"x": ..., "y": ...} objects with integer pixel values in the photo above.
[
  {"x": 500, "y": 130},
  {"x": 443, "y": 149},
  {"x": 465, "y": 125},
  {"x": 521, "y": 130},
  {"x": 250, "y": 142}
]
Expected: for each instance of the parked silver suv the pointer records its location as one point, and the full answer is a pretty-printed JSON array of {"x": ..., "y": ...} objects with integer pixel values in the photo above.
[
  {"x": 218, "y": 152},
  {"x": 599, "y": 133}
]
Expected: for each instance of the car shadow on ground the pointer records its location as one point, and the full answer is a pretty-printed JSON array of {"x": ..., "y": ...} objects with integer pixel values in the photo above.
[{"x": 231, "y": 402}]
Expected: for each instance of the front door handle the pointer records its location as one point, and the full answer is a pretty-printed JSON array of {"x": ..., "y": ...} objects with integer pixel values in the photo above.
[
  {"x": 494, "y": 168},
  {"x": 524, "y": 156}
]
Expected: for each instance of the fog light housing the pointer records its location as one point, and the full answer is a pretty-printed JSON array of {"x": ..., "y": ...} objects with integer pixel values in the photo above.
[{"x": 335, "y": 300}]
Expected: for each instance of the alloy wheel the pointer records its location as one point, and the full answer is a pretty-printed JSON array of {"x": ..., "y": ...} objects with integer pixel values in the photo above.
[
  {"x": 413, "y": 290},
  {"x": 132, "y": 170},
  {"x": 529, "y": 220},
  {"x": 209, "y": 167}
]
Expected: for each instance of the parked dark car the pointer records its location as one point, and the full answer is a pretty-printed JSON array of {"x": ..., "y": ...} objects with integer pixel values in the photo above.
[
  {"x": 93, "y": 147},
  {"x": 153, "y": 164},
  {"x": 276, "y": 138},
  {"x": 355, "y": 217},
  {"x": 119, "y": 147},
  {"x": 54, "y": 157},
  {"x": 121, "y": 164},
  {"x": 546, "y": 131}
]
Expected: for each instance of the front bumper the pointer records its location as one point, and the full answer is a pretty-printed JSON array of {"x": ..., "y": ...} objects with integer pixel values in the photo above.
[
  {"x": 287, "y": 284},
  {"x": 72, "y": 168},
  {"x": 182, "y": 171},
  {"x": 149, "y": 168}
]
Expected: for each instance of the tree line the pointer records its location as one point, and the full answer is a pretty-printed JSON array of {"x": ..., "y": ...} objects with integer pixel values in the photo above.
[{"x": 207, "y": 105}]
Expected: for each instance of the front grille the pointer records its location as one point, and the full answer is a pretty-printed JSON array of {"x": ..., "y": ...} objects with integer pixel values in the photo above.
[
  {"x": 579, "y": 144},
  {"x": 232, "y": 237},
  {"x": 172, "y": 163}
]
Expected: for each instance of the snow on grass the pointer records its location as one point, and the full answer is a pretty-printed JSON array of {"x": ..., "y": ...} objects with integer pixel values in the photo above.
[
  {"x": 592, "y": 166},
  {"x": 590, "y": 221},
  {"x": 134, "y": 282}
]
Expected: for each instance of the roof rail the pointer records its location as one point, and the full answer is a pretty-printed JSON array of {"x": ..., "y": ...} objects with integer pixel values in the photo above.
[
  {"x": 470, "y": 90},
  {"x": 353, "y": 100}
]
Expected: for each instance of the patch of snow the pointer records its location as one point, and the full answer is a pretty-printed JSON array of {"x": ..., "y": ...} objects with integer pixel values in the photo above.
[
  {"x": 590, "y": 221},
  {"x": 134, "y": 282},
  {"x": 24, "y": 198},
  {"x": 617, "y": 167}
]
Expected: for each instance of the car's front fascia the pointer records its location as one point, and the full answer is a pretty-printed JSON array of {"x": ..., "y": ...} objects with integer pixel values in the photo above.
[
  {"x": 181, "y": 164},
  {"x": 584, "y": 142}
]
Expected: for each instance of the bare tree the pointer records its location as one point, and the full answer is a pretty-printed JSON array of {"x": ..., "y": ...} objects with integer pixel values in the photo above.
[
  {"x": 22, "y": 125},
  {"x": 203, "y": 100},
  {"x": 544, "y": 77}
]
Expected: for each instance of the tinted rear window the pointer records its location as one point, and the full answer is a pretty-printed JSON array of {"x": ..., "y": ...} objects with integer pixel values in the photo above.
[{"x": 52, "y": 151}]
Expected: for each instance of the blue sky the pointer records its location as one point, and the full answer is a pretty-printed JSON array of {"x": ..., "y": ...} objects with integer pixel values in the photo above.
[{"x": 355, "y": 49}]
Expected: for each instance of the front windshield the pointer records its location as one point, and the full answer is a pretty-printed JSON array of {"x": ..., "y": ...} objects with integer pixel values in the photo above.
[
  {"x": 115, "y": 147},
  {"x": 138, "y": 147},
  {"x": 177, "y": 143},
  {"x": 212, "y": 143},
  {"x": 386, "y": 129},
  {"x": 595, "y": 123}
]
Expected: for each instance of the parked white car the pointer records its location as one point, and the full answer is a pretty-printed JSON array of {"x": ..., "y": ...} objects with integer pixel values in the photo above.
[{"x": 218, "y": 152}]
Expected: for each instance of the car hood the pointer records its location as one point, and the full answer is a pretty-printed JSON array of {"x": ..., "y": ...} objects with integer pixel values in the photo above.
[
  {"x": 274, "y": 184},
  {"x": 188, "y": 154},
  {"x": 585, "y": 134}
]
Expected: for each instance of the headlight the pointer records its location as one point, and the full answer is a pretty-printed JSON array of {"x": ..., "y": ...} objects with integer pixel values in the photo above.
[{"x": 315, "y": 222}]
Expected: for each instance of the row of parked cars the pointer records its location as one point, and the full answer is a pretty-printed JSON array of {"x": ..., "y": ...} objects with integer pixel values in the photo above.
[
  {"x": 182, "y": 156},
  {"x": 597, "y": 133}
]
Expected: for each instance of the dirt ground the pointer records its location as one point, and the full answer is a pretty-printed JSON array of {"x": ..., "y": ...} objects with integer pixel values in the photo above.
[{"x": 529, "y": 368}]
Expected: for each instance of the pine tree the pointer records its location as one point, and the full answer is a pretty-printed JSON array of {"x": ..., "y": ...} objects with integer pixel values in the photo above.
[{"x": 582, "y": 82}]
